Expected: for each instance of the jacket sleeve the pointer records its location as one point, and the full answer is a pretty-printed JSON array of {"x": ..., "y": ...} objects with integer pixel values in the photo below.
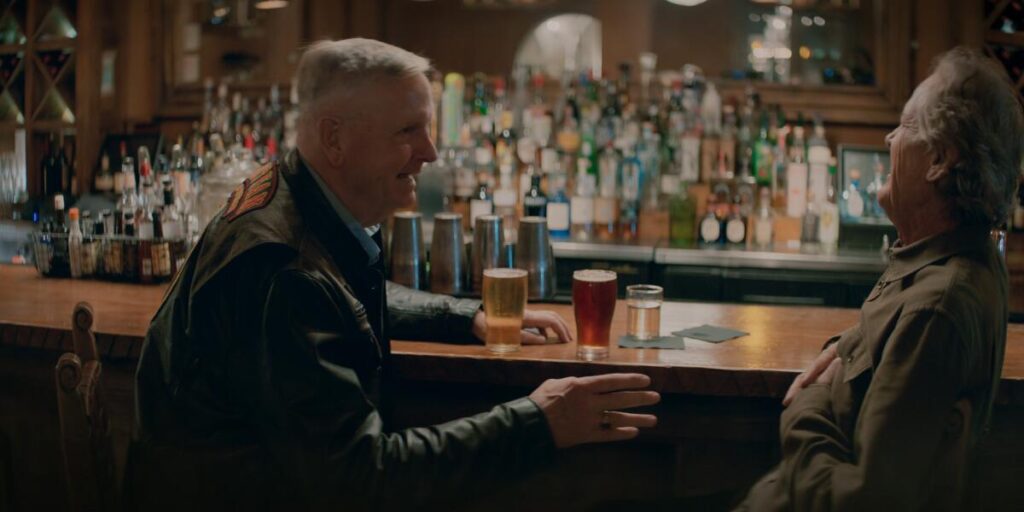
[
  {"x": 418, "y": 315},
  {"x": 899, "y": 432},
  {"x": 328, "y": 435}
]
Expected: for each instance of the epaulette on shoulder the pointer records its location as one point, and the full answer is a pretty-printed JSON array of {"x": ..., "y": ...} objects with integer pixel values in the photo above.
[{"x": 254, "y": 193}]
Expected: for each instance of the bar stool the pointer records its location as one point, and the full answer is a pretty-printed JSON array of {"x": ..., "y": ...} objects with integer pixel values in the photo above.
[{"x": 85, "y": 433}]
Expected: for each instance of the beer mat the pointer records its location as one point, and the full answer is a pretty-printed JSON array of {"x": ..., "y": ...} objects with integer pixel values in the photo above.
[
  {"x": 667, "y": 342},
  {"x": 710, "y": 333}
]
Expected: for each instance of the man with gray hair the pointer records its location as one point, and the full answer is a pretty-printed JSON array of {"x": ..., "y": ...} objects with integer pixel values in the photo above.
[
  {"x": 887, "y": 416},
  {"x": 265, "y": 370}
]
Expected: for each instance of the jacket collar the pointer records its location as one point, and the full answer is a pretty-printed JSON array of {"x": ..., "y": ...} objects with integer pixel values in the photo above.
[
  {"x": 906, "y": 260},
  {"x": 321, "y": 217}
]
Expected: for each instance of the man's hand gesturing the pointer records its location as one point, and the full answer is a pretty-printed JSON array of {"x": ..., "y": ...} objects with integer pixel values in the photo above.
[{"x": 585, "y": 409}]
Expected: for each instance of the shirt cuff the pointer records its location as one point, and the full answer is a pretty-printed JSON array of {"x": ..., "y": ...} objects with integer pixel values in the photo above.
[
  {"x": 539, "y": 443},
  {"x": 460, "y": 319}
]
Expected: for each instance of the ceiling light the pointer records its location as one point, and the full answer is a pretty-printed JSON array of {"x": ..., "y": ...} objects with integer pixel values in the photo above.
[
  {"x": 266, "y": 5},
  {"x": 686, "y": 3}
]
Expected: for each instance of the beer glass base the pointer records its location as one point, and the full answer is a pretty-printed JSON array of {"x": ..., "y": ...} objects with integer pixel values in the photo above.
[
  {"x": 502, "y": 349},
  {"x": 591, "y": 353}
]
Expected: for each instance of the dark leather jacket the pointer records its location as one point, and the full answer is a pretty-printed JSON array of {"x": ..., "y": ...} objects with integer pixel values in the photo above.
[{"x": 265, "y": 368}]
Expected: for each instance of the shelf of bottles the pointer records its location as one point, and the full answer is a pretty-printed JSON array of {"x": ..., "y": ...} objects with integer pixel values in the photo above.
[
  {"x": 161, "y": 202},
  {"x": 664, "y": 159}
]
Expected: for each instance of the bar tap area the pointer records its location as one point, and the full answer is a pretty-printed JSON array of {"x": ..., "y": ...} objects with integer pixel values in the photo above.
[{"x": 511, "y": 254}]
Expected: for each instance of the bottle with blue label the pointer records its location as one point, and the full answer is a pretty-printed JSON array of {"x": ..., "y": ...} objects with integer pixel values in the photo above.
[{"x": 558, "y": 206}]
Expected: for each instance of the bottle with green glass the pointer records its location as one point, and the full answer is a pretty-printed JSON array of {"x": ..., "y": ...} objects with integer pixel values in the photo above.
[{"x": 682, "y": 211}]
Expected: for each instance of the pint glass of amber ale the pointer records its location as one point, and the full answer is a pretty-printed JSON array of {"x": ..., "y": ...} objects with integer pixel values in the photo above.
[
  {"x": 504, "y": 294},
  {"x": 593, "y": 299}
]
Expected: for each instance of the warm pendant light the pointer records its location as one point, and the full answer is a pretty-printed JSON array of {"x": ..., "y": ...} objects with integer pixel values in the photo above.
[{"x": 267, "y": 5}]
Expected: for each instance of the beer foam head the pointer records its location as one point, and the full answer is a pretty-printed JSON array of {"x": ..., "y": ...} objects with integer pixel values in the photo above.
[
  {"x": 594, "y": 276},
  {"x": 505, "y": 273}
]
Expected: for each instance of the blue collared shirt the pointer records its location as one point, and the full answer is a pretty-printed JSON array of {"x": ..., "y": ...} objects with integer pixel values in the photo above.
[{"x": 362, "y": 234}]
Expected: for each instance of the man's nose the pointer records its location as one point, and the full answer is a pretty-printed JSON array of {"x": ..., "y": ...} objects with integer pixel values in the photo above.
[{"x": 428, "y": 152}]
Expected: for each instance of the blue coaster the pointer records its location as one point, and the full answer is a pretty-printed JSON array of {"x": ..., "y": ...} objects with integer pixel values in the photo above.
[
  {"x": 710, "y": 333},
  {"x": 668, "y": 342}
]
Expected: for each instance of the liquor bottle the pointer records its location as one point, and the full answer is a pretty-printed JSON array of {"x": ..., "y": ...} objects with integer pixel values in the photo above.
[
  {"x": 796, "y": 176},
  {"x": 736, "y": 225},
  {"x": 463, "y": 183},
  {"x": 711, "y": 226},
  {"x": 505, "y": 202},
  {"x": 51, "y": 170},
  {"x": 104, "y": 181},
  {"x": 711, "y": 120},
  {"x": 810, "y": 223},
  {"x": 558, "y": 207},
  {"x": 451, "y": 110},
  {"x": 534, "y": 202},
  {"x": 818, "y": 155},
  {"x": 828, "y": 222},
  {"x": 853, "y": 198},
  {"x": 606, "y": 204},
  {"x": 145, "y": 232},
  {"x": 726, "y": 164},
  {"x": 60, "y": 263},
  {"x": 74, "y": 244},
  {"x": 582, "y": 205},
  {"x": 128, "y": 201},
  {"x": 762, "y": 161},
  {"x": 160, "y": 250},
  {"x": 129, "y": 249},
  {"x": 179, "y": 170},
  {"x": 763, "y": 224},
  {"x": 68, "y": 178},
  {"x": 629, "y": 201},
  {"x": 482, "y": 203},
  {"x": 689, "y": 153},
  {"x": 682, "y": 218}
]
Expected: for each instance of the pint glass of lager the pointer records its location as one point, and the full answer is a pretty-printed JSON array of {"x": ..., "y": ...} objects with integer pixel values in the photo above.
[
  {"x": 593, "y": 299},
  {"x": 504, "y": 294}
]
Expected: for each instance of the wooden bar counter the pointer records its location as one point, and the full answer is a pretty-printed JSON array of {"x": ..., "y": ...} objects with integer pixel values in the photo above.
[{"x": 717, "y": 421}]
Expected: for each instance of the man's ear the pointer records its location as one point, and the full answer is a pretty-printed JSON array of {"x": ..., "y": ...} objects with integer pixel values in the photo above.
[
  {"x": 942, "y": 162},
  {"x": 329, "y": 132}
]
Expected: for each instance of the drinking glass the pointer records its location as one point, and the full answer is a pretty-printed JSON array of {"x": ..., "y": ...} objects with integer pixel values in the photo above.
[
  {"x": 504, "y": 295},
  {"x": 593, "y": 298},
  {"x": 643, "y": 308}
]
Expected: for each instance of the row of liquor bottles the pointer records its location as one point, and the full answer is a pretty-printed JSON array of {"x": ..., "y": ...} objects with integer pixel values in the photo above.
[
  {"x": 609, "y": 155},
  {"x": 77, "y": 245},
  {"x": 734, "y": 211}
]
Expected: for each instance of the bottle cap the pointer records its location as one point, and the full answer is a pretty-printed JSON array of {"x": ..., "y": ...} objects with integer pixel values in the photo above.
[{"x": 73, "y": 214}]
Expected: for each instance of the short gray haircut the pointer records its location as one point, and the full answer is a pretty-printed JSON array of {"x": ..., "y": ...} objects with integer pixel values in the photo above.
[
  {"x": 329, "y": 66},
  {"x": 973, "y": 109}
]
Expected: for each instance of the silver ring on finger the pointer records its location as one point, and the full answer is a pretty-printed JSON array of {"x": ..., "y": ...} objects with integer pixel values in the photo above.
[{"x": 606, "y": 420}]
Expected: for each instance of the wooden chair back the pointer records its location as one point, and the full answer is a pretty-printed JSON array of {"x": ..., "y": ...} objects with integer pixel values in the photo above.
[{"x": 85, "y": 434}]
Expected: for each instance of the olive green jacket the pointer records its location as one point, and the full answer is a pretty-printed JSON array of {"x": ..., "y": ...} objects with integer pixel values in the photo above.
[
  {"x": 932, "y": 331},
  {"x": 266, "y": 367}
]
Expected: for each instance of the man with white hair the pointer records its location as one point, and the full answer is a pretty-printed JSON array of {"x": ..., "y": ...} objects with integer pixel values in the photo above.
[
  {"x": 264, "y": 371},
  {"x": 886, "y": 417}
]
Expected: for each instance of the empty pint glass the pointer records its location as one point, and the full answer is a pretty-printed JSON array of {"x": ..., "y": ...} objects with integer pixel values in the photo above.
[
  {"x": 643, "y": 311},
  {"x": 593, "y": 300},
  {"x": 504, "y": 294}
]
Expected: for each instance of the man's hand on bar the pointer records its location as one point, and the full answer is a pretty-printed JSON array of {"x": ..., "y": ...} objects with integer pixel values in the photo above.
[
  {"x": 537, "y": 326},
  {"x": 583, "y": 409},
  {"x": 823, "y": 362}
]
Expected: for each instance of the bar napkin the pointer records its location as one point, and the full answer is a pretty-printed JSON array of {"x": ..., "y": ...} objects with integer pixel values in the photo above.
[
  {"x": 710, "y": 333},
  {"x": 668, "y": 342}
]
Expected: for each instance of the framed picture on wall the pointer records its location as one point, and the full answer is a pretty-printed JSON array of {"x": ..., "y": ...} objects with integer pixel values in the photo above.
[{"x": 863, "y": 170}]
